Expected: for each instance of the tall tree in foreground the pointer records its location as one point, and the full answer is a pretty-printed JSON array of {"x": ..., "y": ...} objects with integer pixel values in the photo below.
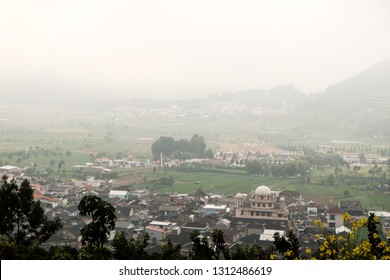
[
  {"x": 201, "y": 247},
  {"x": 22, "y": 220},
  {"x": 102, "y": 213}
]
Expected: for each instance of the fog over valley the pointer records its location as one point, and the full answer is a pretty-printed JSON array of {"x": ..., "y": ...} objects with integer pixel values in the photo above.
[
  {"x": 176, "y": 50},
  {"x": 195, "y": 130}
]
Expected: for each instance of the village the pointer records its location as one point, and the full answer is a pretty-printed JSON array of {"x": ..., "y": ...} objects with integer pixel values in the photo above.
[{"x": 244, "y": 218}]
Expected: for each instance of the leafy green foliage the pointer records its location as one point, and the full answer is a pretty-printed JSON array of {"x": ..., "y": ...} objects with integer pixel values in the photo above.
[
  {"x": 132, "y": 249},
  {"x": 181, "y": 149},
  {"x": 288, "y": 247},
  {"x": 95, "y": 234},
  {"x": 22, "y": 219},
  {"x": 63, "y": 253},
  {"x": 252, "y": 252},
  {"x": 171, "y": 251},
  {"x": 291, "y": 168},
  {"x": 201, "y": 249},
  {"x": 204, "y": 248}
]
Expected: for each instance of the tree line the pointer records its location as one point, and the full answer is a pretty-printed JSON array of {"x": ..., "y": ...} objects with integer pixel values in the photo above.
[
  {"x": 180, "y": 149},
  {"x": 294, "y": 167}
]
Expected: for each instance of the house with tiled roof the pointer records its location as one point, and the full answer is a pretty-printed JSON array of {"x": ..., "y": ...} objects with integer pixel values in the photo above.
[
  {"x": 353, "y": 207},
  {"x": 168, "y": 211}
]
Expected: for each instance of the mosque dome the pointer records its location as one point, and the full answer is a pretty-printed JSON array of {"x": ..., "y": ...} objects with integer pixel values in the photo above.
[
  {"x": 239, "y": 195},
  {"x": 263, "y": 190}
]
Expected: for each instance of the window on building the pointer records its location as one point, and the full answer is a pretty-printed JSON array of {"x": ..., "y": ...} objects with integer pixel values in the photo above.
[
  {"x": 252, "y": 213},
  {"x": 332, "y": 217},
  {"x": 269, "y": 204}
]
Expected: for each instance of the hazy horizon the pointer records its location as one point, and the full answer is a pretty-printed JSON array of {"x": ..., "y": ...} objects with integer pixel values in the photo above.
[{"x": 180, "y": 50}]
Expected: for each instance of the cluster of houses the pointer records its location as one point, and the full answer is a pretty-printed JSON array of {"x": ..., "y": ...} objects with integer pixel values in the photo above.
[
  {"x": 105, "y": 165},
  {"x": 251, "y": 218}
]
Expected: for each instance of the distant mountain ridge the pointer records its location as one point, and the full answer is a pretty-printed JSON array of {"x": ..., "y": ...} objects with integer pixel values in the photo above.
[
  {"x": 357, "y": 105},
  {"x": 360, "y": 104}
]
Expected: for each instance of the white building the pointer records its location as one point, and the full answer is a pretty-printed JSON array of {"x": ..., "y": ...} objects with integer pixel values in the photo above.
[
  {"x": 334, "y": 216},
  {"x": 262, "y": 203},
  {"x": 118, "y": 193},
  {"x": 160, "y": 230}
]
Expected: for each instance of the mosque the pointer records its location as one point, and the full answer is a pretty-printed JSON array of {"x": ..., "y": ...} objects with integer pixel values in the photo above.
[{"x": 262, "y": 204}]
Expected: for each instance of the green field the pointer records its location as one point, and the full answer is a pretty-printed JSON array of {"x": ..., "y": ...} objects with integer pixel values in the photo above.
[
  {"x": 28, "y": 137},
  {"x": 235, "y": 182},
  {"x": 227, "y": 184}
]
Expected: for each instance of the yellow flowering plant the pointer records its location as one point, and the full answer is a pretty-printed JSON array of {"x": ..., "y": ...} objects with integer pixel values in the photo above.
[{"x": 350, "y": 246}]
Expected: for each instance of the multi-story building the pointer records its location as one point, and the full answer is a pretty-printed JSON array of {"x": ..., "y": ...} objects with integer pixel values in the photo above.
[
  {"x": 261, "y": 203},
  {"x": 334, "y": 217}
]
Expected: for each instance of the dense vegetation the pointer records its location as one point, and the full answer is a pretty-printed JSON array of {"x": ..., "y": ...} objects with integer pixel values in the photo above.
[{"x": 180, "y": 149}]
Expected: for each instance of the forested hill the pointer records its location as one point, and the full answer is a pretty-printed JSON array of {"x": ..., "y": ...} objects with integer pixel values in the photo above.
[
  {"x": 358, "y": 105},
  {"x": 273, "y": 99}
]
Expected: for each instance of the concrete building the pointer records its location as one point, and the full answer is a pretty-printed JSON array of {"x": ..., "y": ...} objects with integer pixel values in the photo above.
[
  {"x": 161, "y": 230},
  {"x": 262, "y": 203},
  {"x": 8, "y": 169},
  {"x": 210, "y": 209},
  {"x": 118, "y": 193},
  {"x": 334, "y": 217}
]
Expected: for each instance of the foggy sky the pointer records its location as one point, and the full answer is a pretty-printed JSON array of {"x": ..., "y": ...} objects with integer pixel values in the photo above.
[{"x": 177, "y": 48}]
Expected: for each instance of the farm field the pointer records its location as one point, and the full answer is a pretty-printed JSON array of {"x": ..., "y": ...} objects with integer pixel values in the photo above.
[
  {"x": 235, "y": 182},
  {"x": 77, "y": 137}
]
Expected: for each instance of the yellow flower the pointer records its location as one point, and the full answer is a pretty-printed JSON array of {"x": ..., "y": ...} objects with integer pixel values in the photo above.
[
  {"x": 272, "y": 256},
  {"x": 346, "y": 217},
  {"x": 375, "y": 235},
  {"x": 288, "y": 253},
  {"x": 376, "y": 219},
  {"x": 362, "y": 222},
  {"x": 308, "y": 251}
]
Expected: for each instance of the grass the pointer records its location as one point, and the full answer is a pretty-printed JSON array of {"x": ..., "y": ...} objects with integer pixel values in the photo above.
[{"x": 227, "y": 184}]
